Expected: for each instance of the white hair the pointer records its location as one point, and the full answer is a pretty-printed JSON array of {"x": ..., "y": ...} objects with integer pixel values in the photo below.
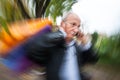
[{"x": 66, "y": 14}]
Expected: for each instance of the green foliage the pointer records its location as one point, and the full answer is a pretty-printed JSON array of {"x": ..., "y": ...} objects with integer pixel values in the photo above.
[
  {"x": 3, "y": 23},
  {"x": 109, "y": 49},
  {"x": 94, "y": 38},
  {"x": 15, "y": 10},
  {"x": 58, "y": 7},
  {"x": 9, "y": 11}
]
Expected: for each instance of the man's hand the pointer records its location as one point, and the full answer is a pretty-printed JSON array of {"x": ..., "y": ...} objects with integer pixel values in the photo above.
[{"x": 84, "y": 39}]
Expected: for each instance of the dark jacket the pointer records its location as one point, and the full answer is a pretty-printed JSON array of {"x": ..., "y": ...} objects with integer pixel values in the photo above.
[{"x": 49, "y": 49}]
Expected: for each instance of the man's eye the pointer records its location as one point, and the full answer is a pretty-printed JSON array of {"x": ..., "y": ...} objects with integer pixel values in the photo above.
[{"x": 73, "y": 24}]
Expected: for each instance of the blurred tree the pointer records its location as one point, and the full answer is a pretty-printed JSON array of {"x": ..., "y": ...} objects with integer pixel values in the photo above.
[
  {"x": 9, "y": 11},
  {"x": 32, "y": 8},
  {"x": 110, "y": 49},
  {"x": 94, "y": 38},
  {"x": 41, "y": 6},
  {"x": 58, "y": 7},
  {"x": 14, "y": 10}
]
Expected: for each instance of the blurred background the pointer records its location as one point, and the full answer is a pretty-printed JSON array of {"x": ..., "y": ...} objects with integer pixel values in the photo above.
[{"x": 100, "y": 19}]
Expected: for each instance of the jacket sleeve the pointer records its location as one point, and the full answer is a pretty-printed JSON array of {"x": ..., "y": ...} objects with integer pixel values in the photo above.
[
  {"x": 88, "y": 55},
  {"x": 37, "y": 48}
]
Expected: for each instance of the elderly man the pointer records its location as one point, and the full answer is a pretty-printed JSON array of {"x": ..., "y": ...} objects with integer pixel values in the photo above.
[{"x": 60, "y": 52}]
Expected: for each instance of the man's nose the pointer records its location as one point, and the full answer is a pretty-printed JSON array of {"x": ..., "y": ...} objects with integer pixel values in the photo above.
[{"x": 76, "y": 29}]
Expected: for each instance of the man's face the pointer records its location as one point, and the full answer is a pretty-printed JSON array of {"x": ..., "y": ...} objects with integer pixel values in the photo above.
[{"x": 71, "y": 25}]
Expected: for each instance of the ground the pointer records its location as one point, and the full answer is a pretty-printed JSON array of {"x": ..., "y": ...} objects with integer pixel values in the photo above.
[{"x": 98, "y": 72}]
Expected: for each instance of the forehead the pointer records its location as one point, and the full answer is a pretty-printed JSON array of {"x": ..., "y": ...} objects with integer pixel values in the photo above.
[{"x": 73, "y": 18}]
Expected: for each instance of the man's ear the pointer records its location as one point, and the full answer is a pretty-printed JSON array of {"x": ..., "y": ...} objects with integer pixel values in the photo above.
[{"x": 62, "y": 24}]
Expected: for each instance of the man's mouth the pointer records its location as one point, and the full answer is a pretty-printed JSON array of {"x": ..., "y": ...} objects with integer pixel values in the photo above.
[{"x": 73, "y": 33}]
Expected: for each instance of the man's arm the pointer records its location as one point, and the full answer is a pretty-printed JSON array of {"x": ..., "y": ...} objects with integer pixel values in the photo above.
[
  {"x": 87, "y": 55},
  {"x": 38, "y": 47},
  {"x": 86, "y": 52}
]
